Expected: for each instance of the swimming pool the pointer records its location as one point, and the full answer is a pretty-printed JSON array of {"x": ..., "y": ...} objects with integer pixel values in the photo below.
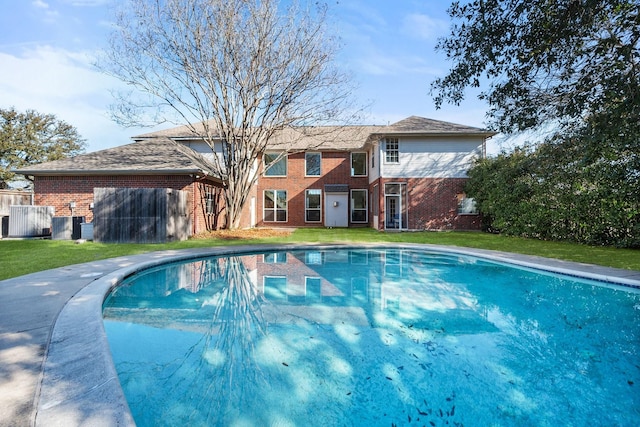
[{"x": 373, "y": 337}]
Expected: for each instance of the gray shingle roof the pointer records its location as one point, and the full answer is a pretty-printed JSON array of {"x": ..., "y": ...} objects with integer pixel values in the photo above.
[
  {"x": 157, "y": 153},
  {"x": 337, "y": 137},
  {"x": 152, "y": 156},
  {"x": 421, "y": 125},
  {"x": 323, "y": 137}
]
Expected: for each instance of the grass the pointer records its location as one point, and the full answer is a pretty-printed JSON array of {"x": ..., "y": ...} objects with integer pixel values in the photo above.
[{"x": 19, "y": 257}]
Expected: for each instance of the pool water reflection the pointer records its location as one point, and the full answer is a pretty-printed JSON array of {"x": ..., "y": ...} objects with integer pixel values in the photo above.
[{"x": 373, "y": 337}]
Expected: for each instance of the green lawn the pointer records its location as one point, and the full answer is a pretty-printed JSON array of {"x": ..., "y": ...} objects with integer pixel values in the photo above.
[{"x": 18, "y": 257}]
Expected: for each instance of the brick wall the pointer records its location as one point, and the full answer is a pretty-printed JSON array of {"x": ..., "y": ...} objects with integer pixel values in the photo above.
[
  {"x": 59, "y": 191},
  {"x": 432, "y": 204},
  {"x": 335, "y": 169}
]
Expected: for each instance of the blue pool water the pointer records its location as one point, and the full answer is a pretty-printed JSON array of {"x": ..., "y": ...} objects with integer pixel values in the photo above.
[{"x": 373, "y": 338}]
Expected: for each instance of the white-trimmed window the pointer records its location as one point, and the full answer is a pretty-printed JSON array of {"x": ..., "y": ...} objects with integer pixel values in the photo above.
[
  {"x": 312, "y": 164},
  {"x": 275, "y": 258},
  {"x": 274, "y": 166},
  {"x": 391, "y": 150},
  {"x": 313, "y": 206},
  {"x": 466, "y": 205},
  {"x": 313, "y": 257},
  {"x": 359, "y": 288},
  {"x": 275, "y": 288},
  {"x": 359, "y": 207},
  {"x": 275, "y": 206},
  {"x": 358, "y": 164},
  {"x": 210, "y": 201}
]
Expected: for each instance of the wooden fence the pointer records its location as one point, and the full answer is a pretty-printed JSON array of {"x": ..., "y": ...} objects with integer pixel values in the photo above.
[
  {"x": 140, "y": 215},
  {"x": 10, "y": 198}
]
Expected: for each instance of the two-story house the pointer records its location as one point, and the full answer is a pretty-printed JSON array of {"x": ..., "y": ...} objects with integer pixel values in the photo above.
[{"x": 408, "y": 175}]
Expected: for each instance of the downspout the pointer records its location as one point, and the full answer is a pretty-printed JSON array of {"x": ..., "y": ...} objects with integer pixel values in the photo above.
[{"x": 195, "y": 216}]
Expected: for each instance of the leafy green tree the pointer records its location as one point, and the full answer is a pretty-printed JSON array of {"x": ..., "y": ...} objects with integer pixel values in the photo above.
[
  {"x": 545, "y": 62},
  {"x": 31, "y": 137},
  {"x": 560, "y": 191},
  {"x": 570, "y": 69}
]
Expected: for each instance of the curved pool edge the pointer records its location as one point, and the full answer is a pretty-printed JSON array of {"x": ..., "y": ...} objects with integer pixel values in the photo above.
[{"x": 79, "y": 384}]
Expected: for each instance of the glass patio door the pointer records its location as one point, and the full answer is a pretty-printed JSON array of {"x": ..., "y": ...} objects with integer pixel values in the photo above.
[
  {"x": 392, "y": 221},
  {"x": 395, "y": 206}
]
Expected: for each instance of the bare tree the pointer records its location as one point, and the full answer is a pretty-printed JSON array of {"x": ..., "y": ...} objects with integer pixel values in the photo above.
[{"x": 236, "y": 71}]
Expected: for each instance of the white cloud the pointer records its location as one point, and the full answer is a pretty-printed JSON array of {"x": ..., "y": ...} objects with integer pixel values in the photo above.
[
  {"x": 90, "y": 3},
  {"x": 50, "y": 15},
  {"x": 424, "y": 27},
  {"x": 378, "y": 63},
  {"x": 64, "y": 83},
  {"x": 40, "y": 4},
  {"x": 48, "y": 72}
]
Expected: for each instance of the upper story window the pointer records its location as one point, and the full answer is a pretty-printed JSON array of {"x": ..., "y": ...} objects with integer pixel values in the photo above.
[
  {"x": 312, "y": 164},
  {"x": 274, "y": 166},
  {"x": 358, "y": 164},
  {"x": 391, "y": 150}
]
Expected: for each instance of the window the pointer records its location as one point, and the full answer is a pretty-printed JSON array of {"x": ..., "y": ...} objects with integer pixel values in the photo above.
[
  {"x": 209, "y": 201},
  {"x": 313, "y": 257},
  {"x": 312, "y": 204},
  {"x": 358, "y": 164},
  {"x": 396, "y": 206},
  {"x": 313, "y": 288},
  {"x": 312, "y": 164},
  {"x": 359, "y": 205},
  {"x": 273, "y": 167},
  {"x": 466, "y": 205},
  {"x": 392, "y": 151},
  {"x": 359, "y": 286},
  {"x": 275, "y": 288},
  {"x": 275, "y": 206},
  {"x": 275, "y": 258}
]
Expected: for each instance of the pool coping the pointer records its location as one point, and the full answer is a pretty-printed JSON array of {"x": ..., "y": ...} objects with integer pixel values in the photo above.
[{"x": 78, "y": 382}]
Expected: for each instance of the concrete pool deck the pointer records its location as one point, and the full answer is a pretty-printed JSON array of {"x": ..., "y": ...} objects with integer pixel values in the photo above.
[{"x": 55, "y": 367}]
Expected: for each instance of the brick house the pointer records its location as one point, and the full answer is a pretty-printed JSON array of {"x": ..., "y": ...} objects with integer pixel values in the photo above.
[
  {"x": 68, "y": 184},
  {"x": 406, "y": 176}
]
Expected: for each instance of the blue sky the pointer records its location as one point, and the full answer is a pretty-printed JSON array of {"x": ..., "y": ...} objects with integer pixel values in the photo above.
[{"x": 47, "y": 48}]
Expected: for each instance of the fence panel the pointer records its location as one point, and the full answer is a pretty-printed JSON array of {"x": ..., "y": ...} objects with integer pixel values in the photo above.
[
  {"x": 141, "y": 215},
  {"x": 10, "y": 198}
]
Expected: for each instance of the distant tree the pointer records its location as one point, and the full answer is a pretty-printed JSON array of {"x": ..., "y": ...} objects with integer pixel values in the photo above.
[
  {"x": 32, "y": 137},
  {"x": 245, "y": 69}
]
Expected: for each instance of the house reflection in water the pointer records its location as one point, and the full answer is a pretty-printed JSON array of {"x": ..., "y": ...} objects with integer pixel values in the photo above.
[{"x": 359, "y": 287}]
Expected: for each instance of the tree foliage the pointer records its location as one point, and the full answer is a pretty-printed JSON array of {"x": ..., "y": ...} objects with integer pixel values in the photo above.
[
  {"x": 245, "y": 69},
  {"x": 560, "y": 192},
  {"x": 569, "y": 68},
  {"x": 31, "y": 137},
  {"x": 545, "y": 61}
]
